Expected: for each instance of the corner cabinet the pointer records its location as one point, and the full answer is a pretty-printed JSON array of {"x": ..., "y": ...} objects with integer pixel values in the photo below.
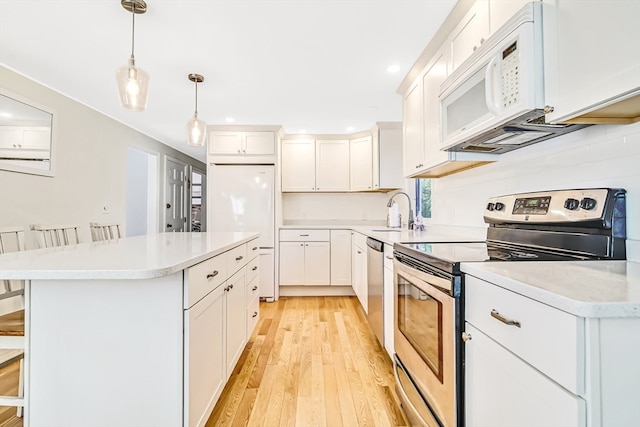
[{"x": 553, "y": 368}]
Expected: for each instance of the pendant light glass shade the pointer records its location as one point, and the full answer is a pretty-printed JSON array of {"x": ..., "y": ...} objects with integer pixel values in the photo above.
[
  {"x": 133, "y": 86},
  {"x": 133, "y": 82},
  {"x": 196, "y": 131},
  {"x": 196, "y": 128}
]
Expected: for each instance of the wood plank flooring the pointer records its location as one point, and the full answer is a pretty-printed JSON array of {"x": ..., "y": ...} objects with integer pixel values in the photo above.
[{"x": 312, "y": 361}]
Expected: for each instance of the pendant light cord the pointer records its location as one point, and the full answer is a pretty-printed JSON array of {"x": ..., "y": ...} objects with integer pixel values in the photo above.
[
  {"x": 133, "y": 28},
  {"x": 196, "y": 112}
]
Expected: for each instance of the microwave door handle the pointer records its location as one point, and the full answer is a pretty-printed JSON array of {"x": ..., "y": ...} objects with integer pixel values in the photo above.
[{"x": 489, "y": 87}]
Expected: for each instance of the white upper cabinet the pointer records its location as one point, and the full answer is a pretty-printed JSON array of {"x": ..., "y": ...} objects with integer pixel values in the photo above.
[
  {"x": 413, "y": 139},
  {"x": 298, "y": 165},
  {"x": 361, "y": 152},
  {"x": 501, "y": 10},
  {"x": 387, "y": 156},
  {"x": 470, "y": 33},
  {"x": 332, "y": 165},
  {"x": 242, "y": 146},
  {"x": 592, "y": 60}
]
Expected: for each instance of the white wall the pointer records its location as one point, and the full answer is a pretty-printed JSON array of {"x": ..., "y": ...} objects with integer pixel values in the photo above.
[{"x": 91, "y": 172}]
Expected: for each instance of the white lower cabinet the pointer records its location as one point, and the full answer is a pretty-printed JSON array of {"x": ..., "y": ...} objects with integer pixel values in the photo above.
[
  {"x": 305, "y": 257},
  {"x": 340, "y": 258},
  {"x": 359, "y": 269},
  {"x": 236, "y": 319},
  {"x": 388, "y": 299},
  {"x": 530, "y": 364}
]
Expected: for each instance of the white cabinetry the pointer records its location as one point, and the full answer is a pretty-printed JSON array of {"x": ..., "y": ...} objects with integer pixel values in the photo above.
[
  {"x": 304, "y": 257},
  {"x": 413, "y": 137},
  {"x": 387, "y": 156},
  {"x": 388, "y": 300},
  {"x": 361, "y": 160},
  {"x": 25, "y": 142},
  {"x": 470, "y": 33},
  {"x": 359, "y": 268},
  {"x": 340, "y": 257},
  {"x": 236, "y": 319},
  {"x": 241, "y": 146},
  {"x": 549, "y": 367},
  {"x": 577, "y": 84},
  {"x": 500, "y": 11},
  {"x": 315, "y": 165}
]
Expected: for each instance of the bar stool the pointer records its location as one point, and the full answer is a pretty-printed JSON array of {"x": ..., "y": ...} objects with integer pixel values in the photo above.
[
  {"x": 105, "y": 231},
  {"x": 12, "y": 318},
  {"x": 49, "y": 236}
]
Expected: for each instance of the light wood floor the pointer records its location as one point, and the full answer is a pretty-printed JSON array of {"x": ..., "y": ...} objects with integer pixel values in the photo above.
[
  {"x": 9, "y": 376},
  {"x": 312, "y": 361}
]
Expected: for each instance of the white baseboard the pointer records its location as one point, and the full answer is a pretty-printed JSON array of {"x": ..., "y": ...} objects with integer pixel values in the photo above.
[{"x": 315, "y": 291}]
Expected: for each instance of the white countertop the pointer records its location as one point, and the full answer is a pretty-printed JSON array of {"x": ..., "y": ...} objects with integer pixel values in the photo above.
[
  {"x": 583, "y": 288},
  {"x": 139, "y": 257},
  {"x": 431, "y": 233}
]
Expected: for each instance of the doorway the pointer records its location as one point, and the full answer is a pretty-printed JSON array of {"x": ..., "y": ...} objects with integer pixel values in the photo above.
[
  {"x": 176, "y": 186},
  {"x": 198, "y": 200},
  {"x": 142, "y": 192}
]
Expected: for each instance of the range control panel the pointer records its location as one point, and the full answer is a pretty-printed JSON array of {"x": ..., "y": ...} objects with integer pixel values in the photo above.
[{"x": 550, "y": 206}]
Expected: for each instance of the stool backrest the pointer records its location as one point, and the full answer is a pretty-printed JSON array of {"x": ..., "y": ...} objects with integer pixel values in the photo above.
[
  {"x": 49, "y": 236},
  {"x": 105, "y": 231},
  {"x": 11, "y": 240}
]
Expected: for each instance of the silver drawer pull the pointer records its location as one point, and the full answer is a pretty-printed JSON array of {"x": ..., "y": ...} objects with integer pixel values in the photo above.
[
  {"x": 214, "y": 273},
  {"x": 255, "y": 248},
  {"x": 254, "y": 268},
  {"x": 255, "y": 313},
  {"x": 495, "y": 314},
  {"x": 238, "y": 258},
  {"x": 389, "y": 257},
  {"x": 304, "y": 235},
  {"x": 255, "y": 288}
]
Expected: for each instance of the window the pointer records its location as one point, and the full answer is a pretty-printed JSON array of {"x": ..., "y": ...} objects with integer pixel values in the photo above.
[{"x": 423, "y": 197}]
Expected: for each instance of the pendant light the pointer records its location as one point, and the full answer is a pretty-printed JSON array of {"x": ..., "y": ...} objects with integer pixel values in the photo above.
[
  {"x": 133, "y": 82},
  {"x": 196, "y": 128}
]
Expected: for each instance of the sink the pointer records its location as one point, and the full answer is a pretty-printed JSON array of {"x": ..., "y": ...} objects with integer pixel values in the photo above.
[{"x": 397, "y": 230}]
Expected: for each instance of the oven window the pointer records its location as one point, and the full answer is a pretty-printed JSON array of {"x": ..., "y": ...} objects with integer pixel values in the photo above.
[{"x": 420, "y": 321}]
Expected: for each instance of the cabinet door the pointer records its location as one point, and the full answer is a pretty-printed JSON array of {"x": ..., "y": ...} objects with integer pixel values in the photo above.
[
  {"x": 361, "y": 160},
  {"x": 332, "y": 165},
  {"x": 225, "y": 142},
  {"x": 413, "y": 142},
  {"x": 205, "y": 369},
  {"x": 431, "y": 81},
  {"x": 533, "y": 399},
  {"x": 576, "y": 82},
  {"x": 340, "y": 258},
  {"x": 388, "y": 298},
  {"x": 500, "y": 11},
  {"x": 291, "y": 263},
  {"x": 360, "y": 275},
  {"x": 470, "y": 33},
  {"x": 316, "y": 263},
  {"x": 259, "y": 143},
  {"x": 298, "y": 165},
  {"x": 236, "y": 319}
]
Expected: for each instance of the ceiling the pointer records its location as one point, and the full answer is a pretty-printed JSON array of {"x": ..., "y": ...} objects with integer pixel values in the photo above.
[{"x": 314, "y": 66}]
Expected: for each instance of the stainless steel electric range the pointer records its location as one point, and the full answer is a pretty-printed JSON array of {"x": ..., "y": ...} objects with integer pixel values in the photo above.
[{"x": 584, "y": 224}]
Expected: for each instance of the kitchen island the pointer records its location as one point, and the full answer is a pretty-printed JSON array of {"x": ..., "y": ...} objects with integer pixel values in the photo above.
[{"x": 138, "y": 331}]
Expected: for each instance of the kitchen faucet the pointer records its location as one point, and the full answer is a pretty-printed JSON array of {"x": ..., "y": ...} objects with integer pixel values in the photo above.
[{"x": 390, "y": 203}]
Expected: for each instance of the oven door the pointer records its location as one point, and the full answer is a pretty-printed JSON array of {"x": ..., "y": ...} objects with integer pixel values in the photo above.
[{"x": 425, "y": 333}]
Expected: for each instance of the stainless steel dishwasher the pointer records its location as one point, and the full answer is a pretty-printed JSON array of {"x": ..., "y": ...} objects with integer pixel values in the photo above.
[{"x": 375, "y": 273}]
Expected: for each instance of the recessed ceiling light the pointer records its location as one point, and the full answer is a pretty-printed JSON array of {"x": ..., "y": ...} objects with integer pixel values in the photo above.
[
  {"x": 229, "y": 120},
  {"x": 350, "y": 128},
  {"x": 3, "y": 114},
  {"x": 393, "y": 68}
]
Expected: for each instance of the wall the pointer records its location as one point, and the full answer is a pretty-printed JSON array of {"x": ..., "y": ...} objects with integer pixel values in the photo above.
[
  {"x": 597, "y": 156},
  {"x": 91, "y": 172}
]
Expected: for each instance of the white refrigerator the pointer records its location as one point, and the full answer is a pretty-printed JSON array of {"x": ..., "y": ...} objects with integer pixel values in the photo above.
[{"x": 241, "y": 198}]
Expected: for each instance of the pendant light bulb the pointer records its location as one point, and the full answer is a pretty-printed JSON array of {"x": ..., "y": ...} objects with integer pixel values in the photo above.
[
  {"x": 133, "y": 82},
  {"x": 196, "y": 128}
]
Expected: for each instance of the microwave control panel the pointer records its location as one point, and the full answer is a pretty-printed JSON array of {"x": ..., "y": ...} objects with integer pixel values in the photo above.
[{"x": 510, "y": 75}]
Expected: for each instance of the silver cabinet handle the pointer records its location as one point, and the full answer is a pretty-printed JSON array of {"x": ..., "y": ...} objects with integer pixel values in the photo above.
[
  {"x": 255, "y": 248},
  {"x": 255, "y": 313},
  {"x": 254, "y": 268},
  {"x": 214, "y": 273},
  {"x": 359, "y": 252},
  {"x": 388, "y": 257},
  {"x": 255, "y": 288},
  {"x": 466, "y": 336},
  {"x": 303, "y": 235},
  {"x": 496, "y": 315},
  {"x": 238, "y": 258}
]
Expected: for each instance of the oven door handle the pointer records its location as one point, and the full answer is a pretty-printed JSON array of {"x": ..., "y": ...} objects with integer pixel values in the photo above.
[{"x": 496, "y": 315}]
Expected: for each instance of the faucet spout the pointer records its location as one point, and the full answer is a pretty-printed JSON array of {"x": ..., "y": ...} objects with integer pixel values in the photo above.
[{"x": 410, "y": 221}]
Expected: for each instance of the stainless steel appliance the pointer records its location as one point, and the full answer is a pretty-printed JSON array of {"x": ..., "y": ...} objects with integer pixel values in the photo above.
[
  {"x": 588, "y": 224},
  {"x": 375, "y": 273},
  {"x": 494, "y": 102}
]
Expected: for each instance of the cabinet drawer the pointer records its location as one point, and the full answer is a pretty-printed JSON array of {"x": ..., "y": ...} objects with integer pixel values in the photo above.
[
  {"x": 550, "y": 340},
  {"x": 204, "y": 277},
  {"x": 252, "y": 269},
  {"x": 253, "y": 289},
  {"x": 253, "y": 315},
  {"x": 304, "y": 235},
  {"x": 360, "y": 240},
  {"x": 236, "y": 259},
  {"x": 253, "y": 250}
]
